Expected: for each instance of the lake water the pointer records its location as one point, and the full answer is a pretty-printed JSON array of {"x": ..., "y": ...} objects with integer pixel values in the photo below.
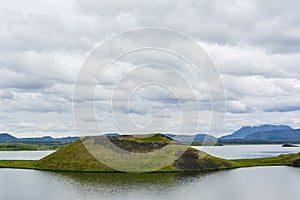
[
  {"x": 248, "y": 151},
  {"x": 23, "y": 155},
  {"x": 267, "y": 183}
]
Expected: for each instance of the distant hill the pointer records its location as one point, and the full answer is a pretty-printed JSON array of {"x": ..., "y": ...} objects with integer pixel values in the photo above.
[
  {"x": 5, "y": 137},
  {"x": 49, "y": 139},
  {"x": 266, "y": 133},
  {"x": 198, "y": 138},
  {"x": 281, "y": 135}
]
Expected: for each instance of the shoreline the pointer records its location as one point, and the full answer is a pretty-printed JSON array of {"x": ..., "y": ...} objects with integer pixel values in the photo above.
[
  {"x": 192, "y": 145},
  {"x": 281, "y": 160}
]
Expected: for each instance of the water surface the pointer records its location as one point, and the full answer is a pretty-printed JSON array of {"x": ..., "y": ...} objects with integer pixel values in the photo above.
[
  {"x": 248, "y": 151},
  {"x": 274, "y": 183},
  {"x": 268, "y": 183},
  {"x": 23, "y": 155}
]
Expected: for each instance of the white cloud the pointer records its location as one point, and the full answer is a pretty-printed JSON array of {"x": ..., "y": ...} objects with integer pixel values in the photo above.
[{"x": 255, "y": 45}]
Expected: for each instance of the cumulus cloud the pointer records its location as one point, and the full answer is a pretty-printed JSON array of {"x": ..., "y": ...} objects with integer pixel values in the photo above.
[
  {"x": 255, "y": 45},
  {"x": 258, "y": 23},
  {"x": 6, "y": 94}
]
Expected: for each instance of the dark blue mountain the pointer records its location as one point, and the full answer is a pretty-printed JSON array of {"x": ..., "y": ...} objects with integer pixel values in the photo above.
[
  {"x": 266, "y": 133},
  {"x": 243, "y": 132},
  {"x": 5, "y": 137},
  {"x": 49, "y": 139},
  {"x": 276, "y": 136}
]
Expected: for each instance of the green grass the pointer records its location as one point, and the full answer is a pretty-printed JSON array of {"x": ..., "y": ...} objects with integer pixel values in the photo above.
[
  {"x": 23, "y": 164},
  {"x": 73, "y": 157},
  {"x": 155, "y": 137},
  {"x": 30, "y": 146},
  {"x": 76, "y": 157},
  {"x": 94, "y": 166},
  {"x": 284, "y": 159},
  {"x": 206, "y": 144}
]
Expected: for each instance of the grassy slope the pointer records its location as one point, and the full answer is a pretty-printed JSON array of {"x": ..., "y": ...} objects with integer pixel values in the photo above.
[
  {"x": 156, "y": 137},
  {"x": 75, "y": 157},
  {"x": 286, "y": 159},
  {"x": 22, "y": 164}
]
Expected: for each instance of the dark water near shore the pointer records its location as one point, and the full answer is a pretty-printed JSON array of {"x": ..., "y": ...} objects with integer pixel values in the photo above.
[{"x": 274, "y": 183}]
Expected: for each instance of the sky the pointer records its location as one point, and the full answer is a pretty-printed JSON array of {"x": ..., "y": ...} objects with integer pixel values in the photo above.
[{"x": 254, "y": 45}]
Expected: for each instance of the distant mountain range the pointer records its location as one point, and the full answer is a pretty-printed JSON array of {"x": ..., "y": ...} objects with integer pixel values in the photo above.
[
  {"x": 5, "y": 137},
  {"x": 266, "y": 133}
]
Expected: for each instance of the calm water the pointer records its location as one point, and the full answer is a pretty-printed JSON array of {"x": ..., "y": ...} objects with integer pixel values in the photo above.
[
  {"x": 267, "y": 183},
  {"x": 248, "y": 151},
  {"x": 23, "y": 155}
]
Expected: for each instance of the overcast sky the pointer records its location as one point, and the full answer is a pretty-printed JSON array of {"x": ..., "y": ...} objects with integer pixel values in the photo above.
[{"x": 254, "y": 44}]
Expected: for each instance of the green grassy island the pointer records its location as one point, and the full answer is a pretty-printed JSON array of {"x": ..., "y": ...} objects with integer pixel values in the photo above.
[{"x": 76, "y": 158}]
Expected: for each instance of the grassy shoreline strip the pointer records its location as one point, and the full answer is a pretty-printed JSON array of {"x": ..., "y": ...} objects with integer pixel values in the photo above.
[{"x": 281, "y": 160}]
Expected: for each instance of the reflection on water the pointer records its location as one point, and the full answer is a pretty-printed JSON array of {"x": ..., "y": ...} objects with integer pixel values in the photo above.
[
  {"x": 123, "y": 185},
  {"x": 274, "y": 183}
]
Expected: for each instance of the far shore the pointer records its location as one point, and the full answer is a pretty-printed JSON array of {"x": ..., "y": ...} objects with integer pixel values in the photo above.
[{"x": 43, "y": 146}]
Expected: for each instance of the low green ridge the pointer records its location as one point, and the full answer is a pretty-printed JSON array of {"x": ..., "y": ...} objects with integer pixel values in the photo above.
[
  {"x": 75, "y": 157},
  {"x": 284, "y": 159},
  {"x": 206, "y": 144},
  {"x": 22, "y": 164},
  {"x": 30, "y": 146}
]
